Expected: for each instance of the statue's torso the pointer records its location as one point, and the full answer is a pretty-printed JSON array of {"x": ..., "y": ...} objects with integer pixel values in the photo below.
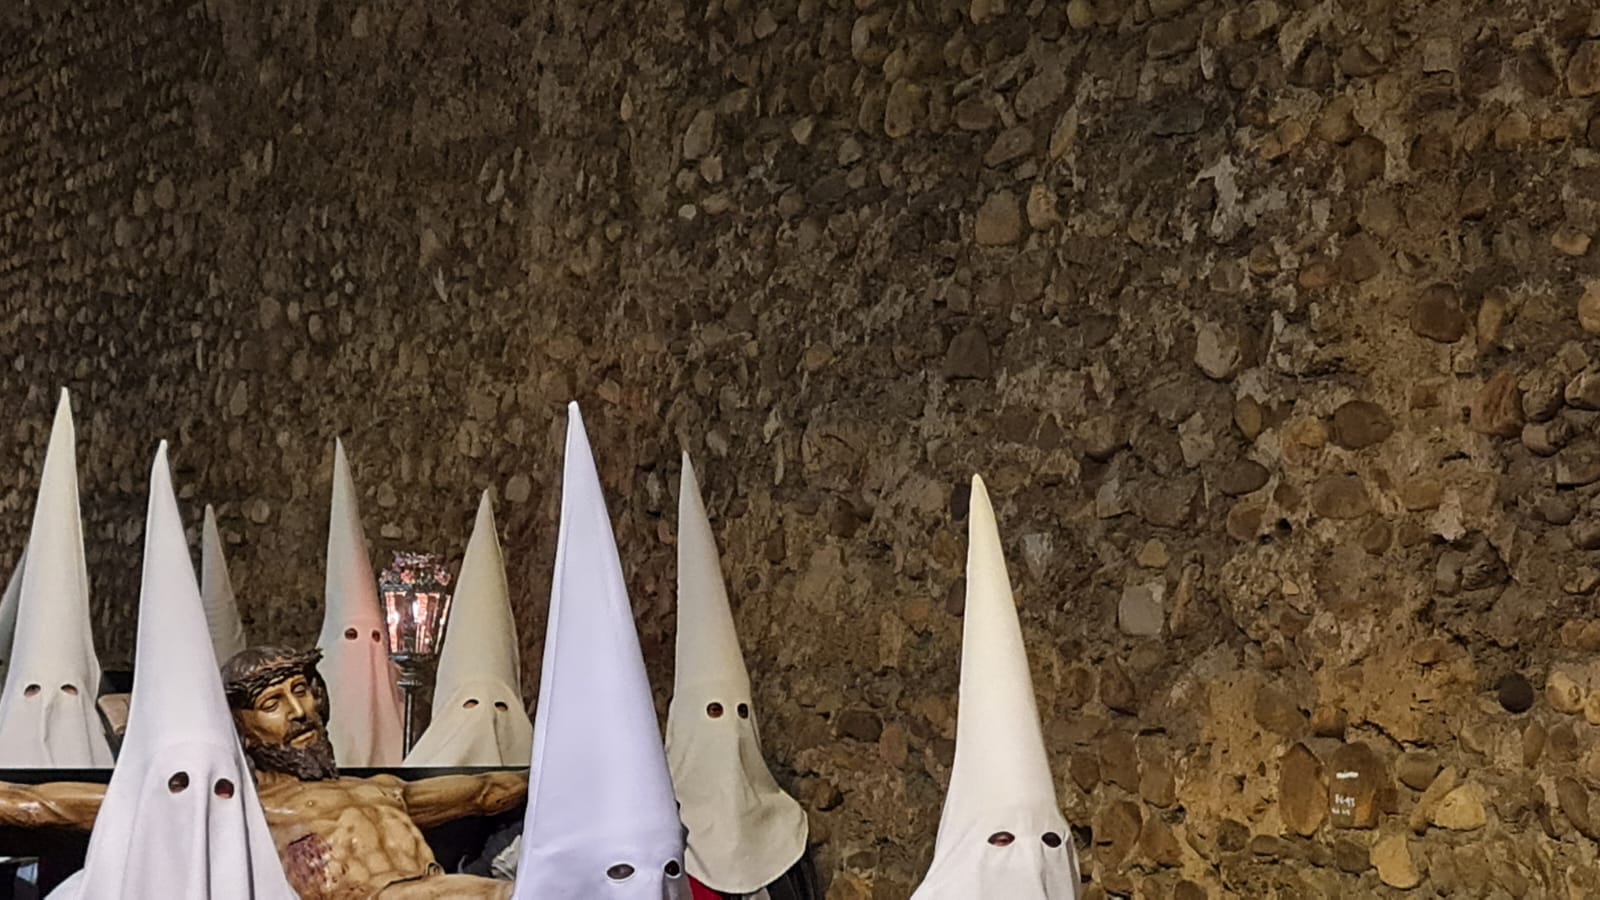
[{"x": 345, "y": 838}]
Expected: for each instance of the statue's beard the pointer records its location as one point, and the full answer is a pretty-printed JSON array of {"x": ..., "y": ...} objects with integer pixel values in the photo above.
[{"x": 313, "y": 762}]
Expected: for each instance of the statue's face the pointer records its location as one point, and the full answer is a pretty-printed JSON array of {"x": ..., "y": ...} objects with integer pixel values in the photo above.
[
  {"x": 283, "y": 731},
  {"x": 284, "y": 714}
]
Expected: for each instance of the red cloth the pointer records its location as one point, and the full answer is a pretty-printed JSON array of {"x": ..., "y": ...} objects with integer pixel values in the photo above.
[{"x": 698, "y": 891}]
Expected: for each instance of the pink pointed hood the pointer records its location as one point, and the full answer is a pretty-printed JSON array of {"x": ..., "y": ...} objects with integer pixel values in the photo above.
[{"x": 365, "y": 713}]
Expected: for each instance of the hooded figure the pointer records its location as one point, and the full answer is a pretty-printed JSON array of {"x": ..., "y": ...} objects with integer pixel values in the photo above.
[
  {"x": 8, "y": 616},
  {"x": 478, "y": 716},
  {"x": 216, "y": 589},
  {"x": 365, "y": 709},
  {"x": 48, "y": 717},
  {"x": 602, "y": 821},
  {"x": 180, "y": 819},
  {"x": 744, "y": 831},
  {"x": 1002, "y": 833}
]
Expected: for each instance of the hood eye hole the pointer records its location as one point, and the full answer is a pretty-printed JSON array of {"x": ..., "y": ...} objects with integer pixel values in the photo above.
[
  {"x": 31, "y": 690},
  {"x": 69, "y": 690},
  {"x": 501, "y": 705},
  {"x": 1051, "y": 839},
  {"x": 470, "y": 704},
  {"x": 620, "y": 872},
  {"x": 223, "y": 788},
  {"x": 351, "y": 634},
  {"x": 376, "y": 635},
  {"x": 178, "y": 782},
  {"x": 714, "y": 710},
  {"x": 672, "y": 868},
  {"x": 744, "y": 710},
  {"x": 1002, "y": 838}
]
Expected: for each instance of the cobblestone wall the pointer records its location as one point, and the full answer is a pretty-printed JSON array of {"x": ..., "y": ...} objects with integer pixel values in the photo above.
[{"x": 1270, "y": 324}]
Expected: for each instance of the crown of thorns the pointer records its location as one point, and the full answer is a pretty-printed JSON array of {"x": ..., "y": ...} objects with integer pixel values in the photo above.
[{"x": 250, "y": 671}]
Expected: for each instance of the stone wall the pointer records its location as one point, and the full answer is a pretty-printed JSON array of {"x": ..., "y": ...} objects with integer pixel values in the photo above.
[{"x": 1271, "y": 325}]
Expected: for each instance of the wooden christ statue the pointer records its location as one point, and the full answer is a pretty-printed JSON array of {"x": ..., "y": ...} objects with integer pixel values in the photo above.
[{"x": 339, "y": 838}]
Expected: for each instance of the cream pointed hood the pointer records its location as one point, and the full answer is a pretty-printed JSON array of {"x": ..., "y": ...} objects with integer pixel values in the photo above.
[
  {"x": 602, "y": 821},
  {"x": 744, "y": 831},
  {"x": 216, "y": 589},
  {"x": 478, "y": 715},
  {"x": 364, "y": 702},
  {"x": 48, "y": 717},
  {"x": 1000, "y": 783},
  {"x": 8, "y": 616},
  {"x": 181, "y": 819}
]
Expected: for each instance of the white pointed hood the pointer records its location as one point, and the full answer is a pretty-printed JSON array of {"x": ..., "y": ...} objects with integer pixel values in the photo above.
[
  {"x": 48, "y": 717},
  {"x": 216, "y": 589},
  {"x": 365, "y": 716},
  {"x": 8, "y": 616},
  {"x": 602, "y": 821},
  {"x": 478, "y": 716},
  {"x": 180, "y": 820},
  {"x": 1000, "y": 783},
  {"x": 744, "y": 831}
]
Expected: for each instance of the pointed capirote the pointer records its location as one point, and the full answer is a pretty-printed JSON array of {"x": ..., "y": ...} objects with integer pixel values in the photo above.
[
  {"x": 365, "y": 713},
  {"x": 744, "y": 832},
  {"x": 216, "y": 589},
  {"x": 601, "y": 819},
  {"x": 1002, "y": 833},
  {"x": 8, "y": 616},
  {"x": 478, "y": 715},
  {"x": 48, "y": 717},
  {"x": 180, "y": 817}
]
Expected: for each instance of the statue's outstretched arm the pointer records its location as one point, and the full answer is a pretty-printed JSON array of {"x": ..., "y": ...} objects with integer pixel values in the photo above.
[
  {"x": 432, "y": 801},
  {"x": 61, "y": 804}
]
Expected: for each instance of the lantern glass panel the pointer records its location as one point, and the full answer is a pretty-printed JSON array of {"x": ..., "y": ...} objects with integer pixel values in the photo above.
[{"x": 416, "y": 602}]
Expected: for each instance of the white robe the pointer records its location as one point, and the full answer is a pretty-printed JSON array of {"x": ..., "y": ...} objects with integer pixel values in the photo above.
[
  {"x": 478, "y": 715},
  {"x": 744, "y": 831},
  {"x": 1000, "y": 781},
  {"x": 365, "y": 716},
  {"x": 48, "y": 717},
  {"x": 180, "y": 819},
  {"x": 602, "y": 821}
]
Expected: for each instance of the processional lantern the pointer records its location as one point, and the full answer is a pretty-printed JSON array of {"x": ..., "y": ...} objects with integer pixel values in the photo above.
[{"x": 416, "y": 602}]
